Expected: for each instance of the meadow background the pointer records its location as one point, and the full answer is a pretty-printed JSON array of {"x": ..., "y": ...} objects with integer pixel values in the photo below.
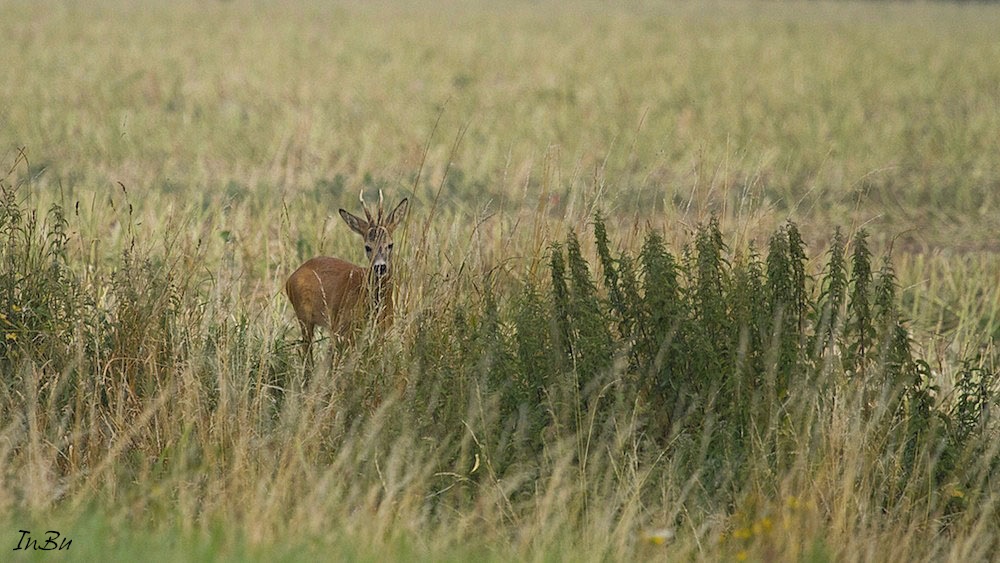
[{"x": 610, "y": 342}]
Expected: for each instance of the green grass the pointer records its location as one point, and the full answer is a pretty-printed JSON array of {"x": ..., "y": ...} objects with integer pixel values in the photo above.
[
  {"x": 555, "y": 386},
  {"x": 811, "y": 111}
]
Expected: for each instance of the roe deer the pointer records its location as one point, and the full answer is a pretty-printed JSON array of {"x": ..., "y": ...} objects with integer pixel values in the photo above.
[{"x": 335, "y": 293}]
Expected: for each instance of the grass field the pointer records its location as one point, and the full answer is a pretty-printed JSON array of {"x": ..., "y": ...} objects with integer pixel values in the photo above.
[{"x": 706, "y": 380}]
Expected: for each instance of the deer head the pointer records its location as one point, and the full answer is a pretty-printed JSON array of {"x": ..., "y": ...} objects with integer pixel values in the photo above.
[{"x": 376, "y": 230}]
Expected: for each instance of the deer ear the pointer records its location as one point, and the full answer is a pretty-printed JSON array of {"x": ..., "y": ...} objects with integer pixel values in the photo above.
[
  {"x": 397, "y": 215},
  {"x": 356, "y": 223}
]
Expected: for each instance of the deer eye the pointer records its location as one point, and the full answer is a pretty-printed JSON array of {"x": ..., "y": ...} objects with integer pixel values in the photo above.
[
  {"x": 389, "y": 246},
  {"x": 368, "y": 248}
]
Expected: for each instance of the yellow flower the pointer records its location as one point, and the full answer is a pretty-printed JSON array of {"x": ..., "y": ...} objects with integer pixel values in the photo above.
[
  {"x": 742, "y": 533},
  {"x": 742, "y": 555},
  {"x": 957, "y": 493},
  {"x": 658, "y": 537},
  {"x": 761, "y": 526},
  {"x": 11, "y": 336}
]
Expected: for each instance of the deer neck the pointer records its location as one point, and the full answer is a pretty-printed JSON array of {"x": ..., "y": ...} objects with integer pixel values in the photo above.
[{"x": 380, "y": 291}]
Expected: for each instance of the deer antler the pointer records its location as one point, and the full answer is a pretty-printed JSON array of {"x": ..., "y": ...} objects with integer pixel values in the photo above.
[
  {"x": 361, "y": 196},
  {"x": 380, "y": 208}
]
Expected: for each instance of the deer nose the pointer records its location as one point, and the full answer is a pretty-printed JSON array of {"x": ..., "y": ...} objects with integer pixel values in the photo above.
[{"x": 380, "y": 269}]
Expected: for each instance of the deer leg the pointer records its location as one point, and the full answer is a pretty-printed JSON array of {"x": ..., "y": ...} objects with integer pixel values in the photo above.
[{"x": 307, "y": 337}]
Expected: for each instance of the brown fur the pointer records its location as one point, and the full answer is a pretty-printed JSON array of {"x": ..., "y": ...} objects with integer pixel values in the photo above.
[{"x": 336, "y": 294}]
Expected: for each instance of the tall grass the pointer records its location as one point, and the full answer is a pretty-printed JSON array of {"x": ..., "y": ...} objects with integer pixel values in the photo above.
[
  {"x": 715, "y": 396},
  {"x": 610, "y": 342}
]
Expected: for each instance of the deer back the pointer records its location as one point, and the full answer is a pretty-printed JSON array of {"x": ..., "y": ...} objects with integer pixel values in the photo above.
[{"x": 328, "y": 292}]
